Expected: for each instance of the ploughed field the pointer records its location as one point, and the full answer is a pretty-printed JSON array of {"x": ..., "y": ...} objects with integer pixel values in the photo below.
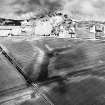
[{"x": 83, "y": 89}]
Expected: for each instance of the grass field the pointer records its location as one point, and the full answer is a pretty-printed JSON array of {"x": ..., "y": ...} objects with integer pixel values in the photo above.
[{"x": 86, "y": 89}]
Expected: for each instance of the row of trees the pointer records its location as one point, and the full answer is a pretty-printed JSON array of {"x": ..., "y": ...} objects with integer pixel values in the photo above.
[{"x": 10, "y": 22}]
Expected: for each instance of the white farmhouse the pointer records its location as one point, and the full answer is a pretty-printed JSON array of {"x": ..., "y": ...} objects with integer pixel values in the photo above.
[{"x": 43, "y": 28}]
